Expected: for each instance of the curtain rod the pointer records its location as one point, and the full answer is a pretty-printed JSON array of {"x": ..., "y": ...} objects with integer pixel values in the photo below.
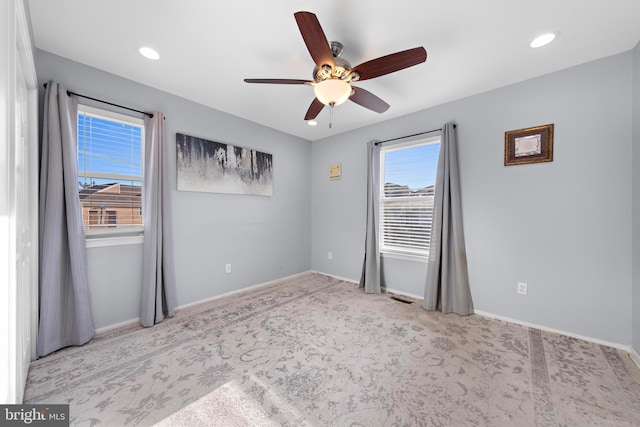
[
  {"x": 107, "y": 102},
  {"x": 409, "y": 136}
]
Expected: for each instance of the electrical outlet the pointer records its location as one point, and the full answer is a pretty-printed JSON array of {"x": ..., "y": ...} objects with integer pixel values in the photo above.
[
  {"x": 227, "y": 268},
  {"x": 330, "y": 255},
  {"x": 522, "y": 288}
]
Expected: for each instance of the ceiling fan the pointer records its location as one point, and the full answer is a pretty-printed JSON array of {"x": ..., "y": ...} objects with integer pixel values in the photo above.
[{"x": 332, "y": 75}]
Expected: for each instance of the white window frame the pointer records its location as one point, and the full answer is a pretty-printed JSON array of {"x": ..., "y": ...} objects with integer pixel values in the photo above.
[
  {"x": 391, "y": 250},
  {"x": 115, "y": 236}
]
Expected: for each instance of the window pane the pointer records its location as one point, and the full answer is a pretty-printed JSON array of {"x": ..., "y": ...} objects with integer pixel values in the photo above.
[
  {"x": 406, "y": 199},
  {"x": 109, "y": 171},
  {"x": 411, "y": 170}
]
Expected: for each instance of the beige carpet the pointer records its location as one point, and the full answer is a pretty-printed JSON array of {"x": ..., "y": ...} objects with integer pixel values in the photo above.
[{"x": 315, "y": 351}]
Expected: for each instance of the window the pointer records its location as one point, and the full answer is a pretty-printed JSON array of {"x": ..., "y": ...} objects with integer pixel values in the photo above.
[
  {"x": 110, "y": 170},
  {"x": 408, "y": 175}
]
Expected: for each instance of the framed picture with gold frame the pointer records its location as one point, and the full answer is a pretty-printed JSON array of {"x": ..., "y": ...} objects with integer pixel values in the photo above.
[{"x": 530, "y": 145}]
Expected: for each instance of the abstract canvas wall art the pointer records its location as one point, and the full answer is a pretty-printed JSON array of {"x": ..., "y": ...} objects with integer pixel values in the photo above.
[{"x": 215, "y": 167}]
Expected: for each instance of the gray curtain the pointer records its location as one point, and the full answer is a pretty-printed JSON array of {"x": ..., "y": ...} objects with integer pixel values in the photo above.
[
  {"x": 65, "y": 304},
  {"x": 370, "y": 279},
  {"x": 158, "y": 275},
  {"x": 447, "y": 287}
]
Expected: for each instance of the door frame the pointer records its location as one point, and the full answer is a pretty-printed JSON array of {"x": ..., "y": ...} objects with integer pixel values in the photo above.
[{"x": 18, "y": 307}]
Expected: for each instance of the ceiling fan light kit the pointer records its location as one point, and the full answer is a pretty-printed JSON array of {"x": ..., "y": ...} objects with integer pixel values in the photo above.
[
  {"x": 332, "y": 75},
  {"x": 332, "y": 92}
]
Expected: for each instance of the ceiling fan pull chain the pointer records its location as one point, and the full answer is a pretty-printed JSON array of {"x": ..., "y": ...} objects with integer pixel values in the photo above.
[{"x": 331, "y": 115}]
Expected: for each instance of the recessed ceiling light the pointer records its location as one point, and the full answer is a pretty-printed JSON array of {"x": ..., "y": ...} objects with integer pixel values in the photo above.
[
  {"x": 147, "y": 52},
  {"x": 542, "y": 40},
  {"x": 312, "y": 122}
]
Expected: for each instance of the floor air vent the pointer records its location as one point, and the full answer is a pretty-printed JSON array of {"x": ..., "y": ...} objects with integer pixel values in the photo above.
[{"x": 401, "y": 299}]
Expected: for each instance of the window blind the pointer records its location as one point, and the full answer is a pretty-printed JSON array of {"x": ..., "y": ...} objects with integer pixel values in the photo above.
[
  {"x": 406, "y": 199},
  {"x": 109, "y": 170}
]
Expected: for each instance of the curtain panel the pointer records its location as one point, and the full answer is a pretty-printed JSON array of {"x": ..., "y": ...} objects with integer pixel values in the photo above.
[
  {"x": 370, "y": 279},
  {"x": 158, "y": 274},
  {"x": 447, "y": 285},
  {"x": 64, "y": 300}
]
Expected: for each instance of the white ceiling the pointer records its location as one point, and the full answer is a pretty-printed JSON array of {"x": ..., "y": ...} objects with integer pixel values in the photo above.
[{"x": 208, "y": 47}]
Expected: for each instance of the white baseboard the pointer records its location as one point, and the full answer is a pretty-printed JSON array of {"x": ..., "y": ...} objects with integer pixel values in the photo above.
[
  {"x": 344, "y": 279},
  {"x": 533, "y": 325},
  {"x": 111, "y": 328},
  {"x": 249, "y": 288},
  {"x": 406, "y": 294},
  {"x": 556, "y": 331},
  {"x": 635, "y": 357},
  {"x": 356, "y": 282}
]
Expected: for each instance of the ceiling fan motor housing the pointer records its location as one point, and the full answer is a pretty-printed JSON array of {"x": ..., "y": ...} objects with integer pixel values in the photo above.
[{"x": 339, "y": 71}]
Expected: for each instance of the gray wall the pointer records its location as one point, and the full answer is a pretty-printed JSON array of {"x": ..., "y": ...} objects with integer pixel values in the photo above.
[
  {"x": 563, "y": 227},
  {"x": 264, "y": 238},
  {"x": 636, "y": 199}
]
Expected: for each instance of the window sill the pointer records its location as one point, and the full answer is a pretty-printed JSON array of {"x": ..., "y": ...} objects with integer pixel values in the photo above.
[
  {"x": 404, "y": 256},
  {"x": 99, "y": 240}
]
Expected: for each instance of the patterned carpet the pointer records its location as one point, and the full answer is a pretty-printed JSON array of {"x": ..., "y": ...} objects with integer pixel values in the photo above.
[{"x": 316, "y": 351}]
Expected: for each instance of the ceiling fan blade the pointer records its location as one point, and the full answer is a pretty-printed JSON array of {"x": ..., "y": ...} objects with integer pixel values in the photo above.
[
  {"x": 390, "y": 63},
  {"x": 278, "y": 81},
  {"x": 314, "y": 38},
  {"x": 368, "y": 100},
  {"x": 314, "y": 109}
]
